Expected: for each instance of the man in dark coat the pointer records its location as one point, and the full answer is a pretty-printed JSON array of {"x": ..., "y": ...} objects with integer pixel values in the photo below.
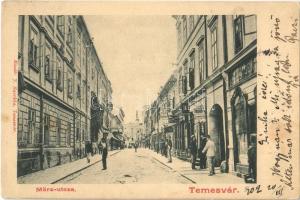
[
  {"x": 203, "y": 141},
  {"x": 252, "y": 159},
  {"x": 193, "y": 149},
  {"x": 89, "y": 150},
  {"x": 104, "y": 152}
]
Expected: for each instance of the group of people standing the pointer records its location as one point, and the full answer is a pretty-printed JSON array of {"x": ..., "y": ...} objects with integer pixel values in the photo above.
[
  {"x": 206, "y": 153},
  {"x": 103, "y": 150}
]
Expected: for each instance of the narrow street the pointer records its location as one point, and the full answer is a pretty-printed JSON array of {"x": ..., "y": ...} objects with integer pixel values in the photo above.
[{"x": 130, "y": 167}]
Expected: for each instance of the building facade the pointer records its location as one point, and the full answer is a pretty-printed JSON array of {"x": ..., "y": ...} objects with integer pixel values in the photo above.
[
  {"x": 59, "y": 75},
  {"x": 117, "y": 139},
  {"x": 216, "y": 86},
  {"x": 134, "y": 131}
]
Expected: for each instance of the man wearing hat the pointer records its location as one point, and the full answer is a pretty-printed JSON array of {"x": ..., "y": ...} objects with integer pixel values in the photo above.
[
  {"x": 193, "y": 148},
  {"x": 210, "y": 153}
]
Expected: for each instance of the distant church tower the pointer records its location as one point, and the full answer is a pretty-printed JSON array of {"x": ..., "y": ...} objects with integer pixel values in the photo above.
[{"x": 137, "y": 116}]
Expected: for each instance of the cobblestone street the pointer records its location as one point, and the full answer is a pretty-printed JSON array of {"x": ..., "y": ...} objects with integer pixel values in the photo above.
[
  {"x": 128, "y": 167},
  {"x": 146, "y": 166}
]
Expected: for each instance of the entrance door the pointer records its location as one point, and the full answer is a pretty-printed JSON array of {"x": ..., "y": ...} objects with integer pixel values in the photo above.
[{"x": 216, "y": 132}]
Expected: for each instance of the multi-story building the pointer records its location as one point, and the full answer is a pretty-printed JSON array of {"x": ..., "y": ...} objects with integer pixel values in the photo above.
[
  {"x": 134, "y": 130},
  {"x": 117, "y": 129},
  {"x": 59, "y": 73},
  {"x": 216, "y": 85}
]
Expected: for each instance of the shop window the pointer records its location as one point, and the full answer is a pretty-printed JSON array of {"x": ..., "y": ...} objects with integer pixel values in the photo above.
[
  {"x": 33, "y": 49},
  {"x": 214, "y": 49},
  {"x": 61, "y": 24},
  {"x": 31, "y": 125},
  {"x": 238, "y": 33},
  {"x": 46, "y": 129},
  {"x": 243, "y": 72},
  {"x": 240, "y": 126}
]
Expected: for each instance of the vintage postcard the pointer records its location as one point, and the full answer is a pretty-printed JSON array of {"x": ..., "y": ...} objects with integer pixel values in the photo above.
[{"x": 150, "y": 100}]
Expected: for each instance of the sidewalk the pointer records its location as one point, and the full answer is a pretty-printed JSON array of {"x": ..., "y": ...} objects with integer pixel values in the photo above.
[
  {"x": 196, "y": 176},
  {"x": 53, "y": 174}
]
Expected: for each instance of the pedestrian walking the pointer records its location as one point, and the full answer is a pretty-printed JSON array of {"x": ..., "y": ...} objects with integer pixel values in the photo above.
[
  {"x": 89, "y": 150},
  {"x": 193, "y": 149},
  {"x": 203, "y": 141},
  {"x": 135, "y": 146},
  {"x": 252, "y": 160},
  {"x": 104, "y": 147},
  {"x": 169, "y": 147},
  {"x": 210, "y": 153}
]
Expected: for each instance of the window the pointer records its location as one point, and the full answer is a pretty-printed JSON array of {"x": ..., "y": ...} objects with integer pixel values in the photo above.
[
  {"x": 78, "y": 92},
  {"x": 78, "y": 44},
  {"x": 83, "y": 92},
  {"x": 46, "y": 129},
  {"x": 59, "y": 78},
  {"x": 173, "y": 102},
  {"x": 214, "y": 48},
  {"x": 33, "y": 49},
  {"x": 31, "y": 125},
  {"x": 58, "y": 131},
  {"x": 83, "y": 135},
  {"x": 77, "y": 134},
  {"x": 48, "y": 63},
  {"x": 184, "y": 29},
  {"x": 191, "y": 23},
  {"x": 192, "y": 72},
  {"x": 69, "y": 34},
  {"x": 70, "y": 86},
  {"x": 93, "y": 72},
  {"x": 184, "y": 85},
  {"x": 61, "y": 24},
  {"x": 68, "y": 134},
  {"x": 201, "y": 62},
  {"x": 238, "y": 34}
]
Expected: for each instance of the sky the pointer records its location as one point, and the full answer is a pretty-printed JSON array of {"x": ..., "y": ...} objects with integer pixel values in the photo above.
[{"x": 138, "y": 55}]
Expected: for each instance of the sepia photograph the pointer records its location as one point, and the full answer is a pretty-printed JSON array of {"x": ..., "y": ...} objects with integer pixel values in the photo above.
[
  {"x": 150, "y": 100},
  {"x": 83, "y": 118}
]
